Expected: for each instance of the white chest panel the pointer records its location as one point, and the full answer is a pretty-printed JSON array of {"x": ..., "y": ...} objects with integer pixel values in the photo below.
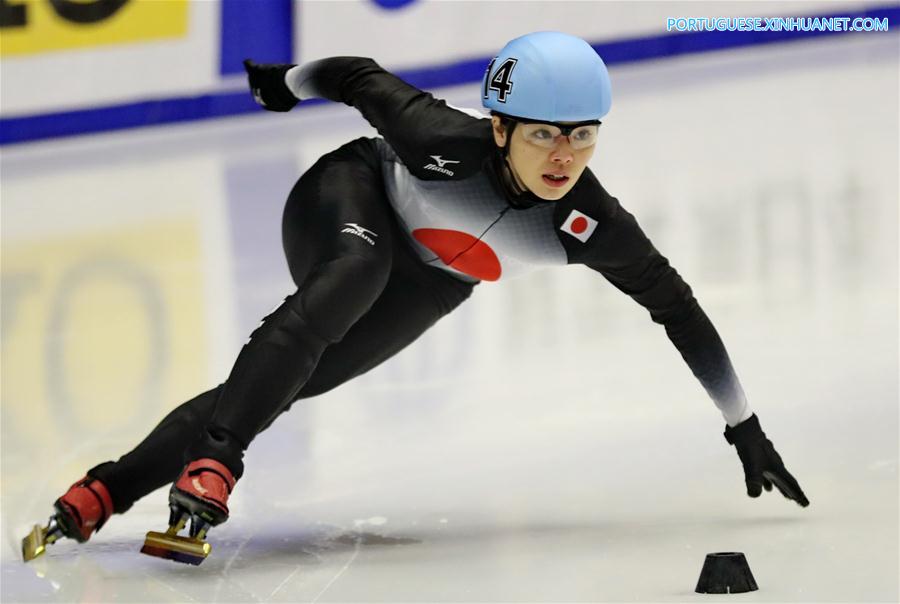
[{"x": 468, "y": 229}]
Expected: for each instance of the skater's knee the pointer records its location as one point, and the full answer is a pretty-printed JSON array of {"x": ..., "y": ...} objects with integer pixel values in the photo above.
[
  {"x": 198, "y": 411},
  {"x": 331, "y": 299},
  {"x": 340, "y": 291}
]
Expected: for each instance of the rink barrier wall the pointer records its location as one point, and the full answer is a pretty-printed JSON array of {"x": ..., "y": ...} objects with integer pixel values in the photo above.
[
  {"x": 227, "y": 103},
  {"x": 248, "y": 31}
]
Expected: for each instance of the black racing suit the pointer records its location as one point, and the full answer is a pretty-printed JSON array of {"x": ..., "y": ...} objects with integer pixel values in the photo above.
[{"x": 383, "y": 237}]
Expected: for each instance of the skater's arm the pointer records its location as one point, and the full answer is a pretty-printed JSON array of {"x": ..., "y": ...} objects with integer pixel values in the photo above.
[
  {"x": 623, "y": 254},
  {"x": 413, "y": 122}
]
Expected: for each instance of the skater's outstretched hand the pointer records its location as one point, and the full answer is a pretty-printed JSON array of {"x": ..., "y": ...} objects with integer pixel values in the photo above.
[
  {"x": 267, "y": 83},
  {"x": 762, "y": 464}
]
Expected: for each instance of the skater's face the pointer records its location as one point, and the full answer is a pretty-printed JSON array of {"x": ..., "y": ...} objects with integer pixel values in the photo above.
[{"x": 549, "y": 169}]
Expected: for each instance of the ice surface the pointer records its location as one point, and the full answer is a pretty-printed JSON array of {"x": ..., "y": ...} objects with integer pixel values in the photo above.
[{"x": 543, "y": 443}]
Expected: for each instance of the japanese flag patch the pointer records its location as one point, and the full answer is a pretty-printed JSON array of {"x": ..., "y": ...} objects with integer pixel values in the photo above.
[{"x": 579, "y": 226}]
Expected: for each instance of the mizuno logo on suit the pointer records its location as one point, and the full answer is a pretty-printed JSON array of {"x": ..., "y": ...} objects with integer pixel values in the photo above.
[
  {"x": 439, "y": 163},
  {"x": 355, "y": 229}
]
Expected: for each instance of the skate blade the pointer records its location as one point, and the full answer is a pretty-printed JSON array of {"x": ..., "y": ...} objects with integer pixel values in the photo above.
[
  {"x": 35, "y": 543},
  {"x": 175, "y": 547}
]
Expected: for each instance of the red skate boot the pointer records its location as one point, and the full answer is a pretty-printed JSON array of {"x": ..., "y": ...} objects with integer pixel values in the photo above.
[
  {"x": 200, "y": 494},
  {"x": 85, "y": 507}
]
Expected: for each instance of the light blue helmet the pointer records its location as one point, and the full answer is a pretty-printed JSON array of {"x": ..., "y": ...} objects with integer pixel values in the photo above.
[{"x": 550, "y": 77}]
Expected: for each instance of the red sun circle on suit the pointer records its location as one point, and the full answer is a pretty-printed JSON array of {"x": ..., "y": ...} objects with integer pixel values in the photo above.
[
  {"x": 579, "y": 225},
  {"x": 462, "y": 251}
]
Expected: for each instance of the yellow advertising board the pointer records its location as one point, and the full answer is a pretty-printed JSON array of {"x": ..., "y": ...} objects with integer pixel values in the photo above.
[
  {"x": 102, "y": 332},
  {"x": 36, "y": 26}
]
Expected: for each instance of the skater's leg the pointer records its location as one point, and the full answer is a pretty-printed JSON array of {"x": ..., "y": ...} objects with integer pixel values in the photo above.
[
  {"x": 158, "y": 459},
  {"x": 340, "y": 271},
  {"x": 338, "y": 241},
  {"x": 415, "y": 298}
]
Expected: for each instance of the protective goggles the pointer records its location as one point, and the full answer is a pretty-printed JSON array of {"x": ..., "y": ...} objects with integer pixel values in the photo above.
[{"x": 542, "y": 134}]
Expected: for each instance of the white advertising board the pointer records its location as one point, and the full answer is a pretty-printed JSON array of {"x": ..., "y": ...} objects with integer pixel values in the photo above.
[{"x": 436, "y": 32}]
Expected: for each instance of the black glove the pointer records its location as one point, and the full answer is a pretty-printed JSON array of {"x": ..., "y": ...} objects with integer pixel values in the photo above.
[
  {"x": 268, "y": 86},
  {"x": 762, "y": 464}
]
